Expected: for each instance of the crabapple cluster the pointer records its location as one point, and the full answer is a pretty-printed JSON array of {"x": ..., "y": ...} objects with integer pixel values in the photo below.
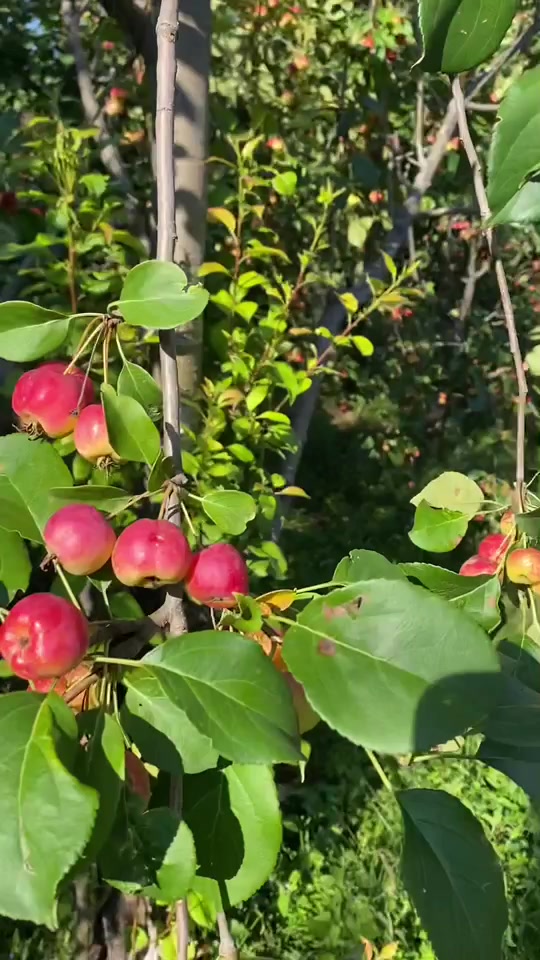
[
  {"x": 521, "y": 564},
  {"x": 45, "y": 637}
]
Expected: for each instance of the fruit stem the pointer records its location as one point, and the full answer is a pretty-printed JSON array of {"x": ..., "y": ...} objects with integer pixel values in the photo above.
[
  {"x": 119, "y": 662},
  {"x": 87, "y": 340},
  {"x": 106, "y": 344},
  {"x": 188, "y": 518},
  {"x": 67, "y": 586},
  {"x": 377, "y": 766},
  {"x": 534, "y": 614}
]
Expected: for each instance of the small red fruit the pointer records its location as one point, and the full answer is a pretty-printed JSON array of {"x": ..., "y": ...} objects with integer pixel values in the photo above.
[
  {"x": 494, "y": 547},
  {"x": 43, "y": 636},
  {"x": 376, "y": 196},
  {"x": 275, "y": 143},
  {"x": 368, "y": 42},
  {"x": 477, "y": 567},
  {"x": 91, "y": 437},
  {"x": 523, "y": 566},
  {"x": 46, "y": 684},
  {"x": 108, "y": 45},
  {"x": 119, "y": 93},
  {"x": 48, "y": 400},
  {"x": 80, "y": 538},
  {"x": 8, "y": 202},
  {"x": 217, "y": 574},
  {"x": 150, "y": 552},
  {"x": 300, "y": 62},
  {"x": 137, "y": 777}
]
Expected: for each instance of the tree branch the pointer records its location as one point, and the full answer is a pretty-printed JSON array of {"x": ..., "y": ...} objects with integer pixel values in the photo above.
[
  {"x": 334, "y": 315},
  {"x": 506, "y": 301},
  {"x": 182, "y": 930},
  {"x": 227, "y": 946},
  {"x": 166, "y": 28}
]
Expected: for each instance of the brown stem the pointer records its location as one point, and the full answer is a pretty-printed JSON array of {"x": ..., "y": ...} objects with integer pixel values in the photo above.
[
  {"x": 227, "y": 946},
  {"x": 506, "y": 301},
  {"x": 182, "y": 930}
]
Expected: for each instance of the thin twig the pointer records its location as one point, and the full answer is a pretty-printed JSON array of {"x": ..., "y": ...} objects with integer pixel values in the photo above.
[
  {"x": 227, "y": 946},
  {"x": 506, "y": 301},
  {"x": 182, "y": 930}
]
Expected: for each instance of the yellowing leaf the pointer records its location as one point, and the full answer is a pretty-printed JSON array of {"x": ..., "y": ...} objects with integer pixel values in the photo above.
[
  {"x": 293, "y": 492},
  {"x": 206, "y": 269},
  {"x": 278, "y": 599},
  {"x": 221, "y": 215},
  {"x": 364, "y": 345},
  {"x": 349, "y": 302}
]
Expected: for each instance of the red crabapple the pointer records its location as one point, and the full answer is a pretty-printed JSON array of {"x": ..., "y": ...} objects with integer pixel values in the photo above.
[
  {"x": 91, "y": 437},
  {"x": 80, "y": 538},
  {"x": 150, "y": 552},
  {"x": 494, "y": 547},
  {"x": 46, "y": 684},
  {"x": 217, "y": 574},
  {"x": 48, "y": 400},
  {"x": 523, "y": 566},
  {"x": 477, "y": 567},
  {"x": 43, "y": 636}
]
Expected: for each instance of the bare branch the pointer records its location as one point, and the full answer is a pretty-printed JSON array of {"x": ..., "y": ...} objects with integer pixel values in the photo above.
[
  {"x": 94, "y": 116},
  {"x": 166, "y": 29},
  {"x": 506, "y": 301},
  {"x": 227, "y": 946},
  {"x": 182, "y": 930}
]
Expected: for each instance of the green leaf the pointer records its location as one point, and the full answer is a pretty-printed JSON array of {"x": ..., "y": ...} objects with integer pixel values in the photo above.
[
  {"x": 46, "y": 814},
  {"x": 453, "y": 876},
  {"x": 231, "y": 510},
  {"x": 363, "y": 345},
  {"x": 521, "y": 764},
  {"x": 515, "y": 719},
  {"x": 131, "y": 432},
  {"x": 285, "y": 183},
  {"x": 256, "y": 396},
  {"x": 106, "y": 498},
  {"x": 153, "y": 854},
  {"x": 242, "y": 453},
  {"x": 29, "y": 469},
  {"x": 28, "y": 331},
  {"x": 377, "y": 669},
  {"x": 162, "y": 731},
  {"x": 524, "y": 207},
  {"x": 437, "y": 530},
  {"x": 229, "y": 690},
  {"x": 514, "y": 146},
  {"x": 102, "y": 766},
  {"x": 15, "y": 566},
  {"x": 366, "y": 565},
  {"x": 452, "y": 491},
  {"x": 154, "y": 295},
  {"x": 477, "y": 596},
  {"x": 136, "y": 382},
  {"x": 460, "y": 34},
  {"x": 252, "y": 799},
  {"x": 218, "y": 837}
]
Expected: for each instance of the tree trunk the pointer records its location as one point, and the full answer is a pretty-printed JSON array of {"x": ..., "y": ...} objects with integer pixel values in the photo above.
[{"x": 190, "y": 172}]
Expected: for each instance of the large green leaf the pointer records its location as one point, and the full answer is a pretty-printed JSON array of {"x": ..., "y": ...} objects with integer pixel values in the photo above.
[
  {"x": 524, "y": 207},
  {"x": 132, "y": 433},
  {"x": 134, "y": 381},
  {"x": 231, "y": 510},
  {"x": 521, "y": 764},
  {"x": 253, "y": 800},
  {"x": 28, "y": 331},
  {"x": 515, "y": 719},
  {"x": 105, "y": 498},
  {"x": 436, "y": 530},
  {"x": 460, "y": 34},
  {"x": 477, "y": 596},
  {"x": 206, "y": 808},
  {"x": 102, "y": 766},
  {"x": 15, "y": 566},
  {"x": 453, "y": 876},
  {"x": 229, "y": 690},
  {"x": 29, "y": 469},
  {"x": 154, "y": 295},
  {"x": 366, "y": 565},
  {"x": 514, "y": 147},
  {"x": 46, "y": 814},
  {"x": 163, "y": 732},
  {"x": 391, "y": 666},
  {"x": 153, "y": 854},
  {"x": 452, "y": 491}
]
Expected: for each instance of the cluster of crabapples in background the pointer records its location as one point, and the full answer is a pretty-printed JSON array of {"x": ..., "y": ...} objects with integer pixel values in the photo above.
[
  {"x": 44, "y": 637},
  {"x": 522, "y": 565}
]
